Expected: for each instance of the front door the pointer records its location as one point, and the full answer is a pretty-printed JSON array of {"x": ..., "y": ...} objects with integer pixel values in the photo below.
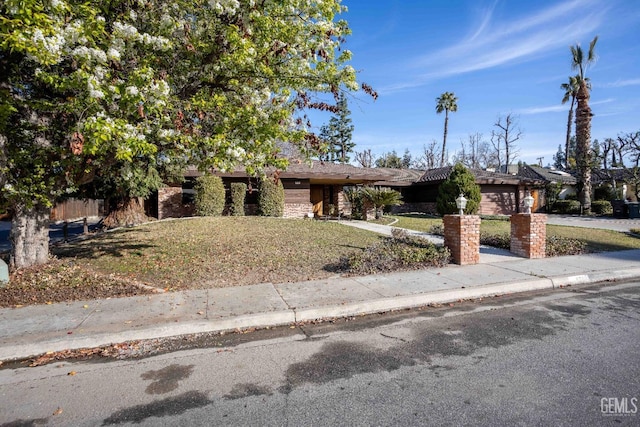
[{"x": 317, "y": 196}]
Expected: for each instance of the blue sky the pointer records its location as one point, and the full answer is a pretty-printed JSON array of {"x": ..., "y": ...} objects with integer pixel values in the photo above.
[{"x": 498, "y": 57}]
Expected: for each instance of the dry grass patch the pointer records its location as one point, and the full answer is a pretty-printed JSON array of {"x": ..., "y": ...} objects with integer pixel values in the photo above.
[{"x": 220, "y": 252}]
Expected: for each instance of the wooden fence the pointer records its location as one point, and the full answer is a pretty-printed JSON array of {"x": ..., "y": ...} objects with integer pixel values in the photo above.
[{"x": 76, "y": 209}]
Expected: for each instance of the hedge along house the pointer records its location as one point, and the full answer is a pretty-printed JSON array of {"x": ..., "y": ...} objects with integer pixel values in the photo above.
[
  {"x": 502, "y": 194},
  {"x": 315, "y": 189}
]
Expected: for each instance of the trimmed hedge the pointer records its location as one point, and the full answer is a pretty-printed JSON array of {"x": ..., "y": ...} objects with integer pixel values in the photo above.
[
  {"x": 210, "y": 196},
  {"x": 238, "y": 194},
  {"x": 601, "y": 207},
  {"x": 270, "y": 198},
  {"x": 566, "y": 206}
]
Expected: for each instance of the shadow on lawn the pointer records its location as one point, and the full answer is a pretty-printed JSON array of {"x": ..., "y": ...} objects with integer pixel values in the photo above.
[{"x": 115, "y": 245}]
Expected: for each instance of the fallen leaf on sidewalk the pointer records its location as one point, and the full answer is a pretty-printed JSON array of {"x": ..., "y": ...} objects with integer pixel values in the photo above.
[
  {"x": 201, "y": 312},
  {"x": 71, "y": 373},
  {"x": 58, "y": 411}
]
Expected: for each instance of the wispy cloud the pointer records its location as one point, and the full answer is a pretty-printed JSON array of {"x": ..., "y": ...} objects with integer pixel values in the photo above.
[
  {"x": 512, "y": 40},
  {"x": 622, "y": 83},
  {"x": 556, "y": 108},
  {"x": 541, "y": 110}
]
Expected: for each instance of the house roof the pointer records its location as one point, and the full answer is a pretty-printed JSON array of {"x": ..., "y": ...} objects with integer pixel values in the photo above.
[
  {"x": 481, "y": 176},
  {"x": 546, "y": 174},
  {"x": 599, "y": 176},
  {"x": 325, "y": 171},
  {"x": 399, "y": 177}
]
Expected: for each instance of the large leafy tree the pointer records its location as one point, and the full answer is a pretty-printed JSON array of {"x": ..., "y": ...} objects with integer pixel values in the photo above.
[
  {"x": 580, "y": 61},
  {"x": 124, "y": 91},
  {"x": 446, "y": 102}
]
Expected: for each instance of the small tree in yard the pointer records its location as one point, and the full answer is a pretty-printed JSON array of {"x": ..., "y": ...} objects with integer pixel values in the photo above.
[
  {"x": 271, "y": 198},
  {"x": 210, "y": 196},
  {"x": 460, "y": 181},
  {"x": 381, "y": 197},
  {"x": 238, "y": 194}
]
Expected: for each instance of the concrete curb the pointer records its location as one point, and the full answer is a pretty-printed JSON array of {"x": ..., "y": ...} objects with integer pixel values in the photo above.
[
  {"x": 293, "y": 315},
  {"x": 22, "y": 351},
  {"x": 596, "y": 277},
  {"x": 419, "y": 300}
]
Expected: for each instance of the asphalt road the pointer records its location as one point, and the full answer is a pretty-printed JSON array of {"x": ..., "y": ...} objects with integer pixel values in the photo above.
[
  {"x": 566, "y": 357},
  {"x": 56, "y": 231}
]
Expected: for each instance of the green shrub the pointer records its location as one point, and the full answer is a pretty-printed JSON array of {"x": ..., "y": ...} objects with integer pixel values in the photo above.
[
  {"x": 210, "y": 196},
  {"x": 566, "y": 206},
  {"x": 270, "y": 198},
  {"x": 437, "y": 229},
  {"x": 601, "y": 207},
  {"x": 381, "y": 197},
  {"x": 502, "y": 241},
  {"x": 398, "y": 252},
  {"x": 559, "y": 246},
  {"x": 460, "y": 181},
  {"x": 238, "y": 194},
  {"x": 355, "y": 197}
]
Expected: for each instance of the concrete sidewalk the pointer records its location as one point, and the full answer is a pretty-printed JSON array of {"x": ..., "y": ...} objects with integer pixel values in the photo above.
[{"x": 34, "y": 330}]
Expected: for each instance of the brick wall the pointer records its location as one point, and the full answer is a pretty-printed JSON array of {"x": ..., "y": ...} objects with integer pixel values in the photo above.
[
  {"x": 528, "y": 235},
  {"x": 297, "y": 210},
  {"x": 462, "y": 237},
  {"x": 170, "y": 203}
]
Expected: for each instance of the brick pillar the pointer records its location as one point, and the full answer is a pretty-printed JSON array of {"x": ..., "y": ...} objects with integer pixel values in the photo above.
[
  {"x": 462, "y": 237},
  {"x": 529, "y": 235}
]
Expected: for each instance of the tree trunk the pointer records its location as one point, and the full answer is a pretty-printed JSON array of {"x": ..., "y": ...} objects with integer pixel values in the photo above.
[
  {"x": 444, "y": 138},
  {"x": 29, "y": 236},
  {"x": 379, "y": 212},
  {"x": 583, "y": 147},
  {"x": 568, "y": 140},
  {"x": 128, "y": 212}
]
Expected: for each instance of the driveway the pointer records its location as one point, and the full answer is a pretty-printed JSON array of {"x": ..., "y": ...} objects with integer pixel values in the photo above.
[{"x": 607, "y": 223}]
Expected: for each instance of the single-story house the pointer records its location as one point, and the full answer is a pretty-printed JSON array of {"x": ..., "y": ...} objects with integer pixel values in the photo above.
[
  {"x": 313, "y": 188},
  {"x": 502, "y": 194},
  {"x": 566, "y": 182}
]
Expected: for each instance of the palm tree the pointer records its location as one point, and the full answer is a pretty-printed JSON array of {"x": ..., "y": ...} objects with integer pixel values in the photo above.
[
  {"x": 446, "y": 102},
  {"x": 570, "y": 93},
  {"x": 581, "y": 62},
  {"x": 381, "y": 197}
]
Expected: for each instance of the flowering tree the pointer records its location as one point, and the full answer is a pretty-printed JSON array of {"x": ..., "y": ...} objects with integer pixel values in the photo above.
[{"x": 128, "y": 90}]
